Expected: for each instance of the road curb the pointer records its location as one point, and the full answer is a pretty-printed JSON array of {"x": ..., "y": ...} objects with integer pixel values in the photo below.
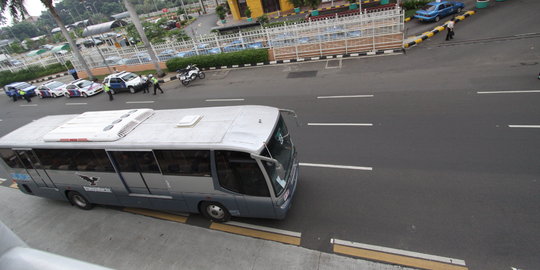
[
  {"x": 299, "y": 60},
  {"x": 436, "y": 30},
  {"x": 50, "y": 77}
]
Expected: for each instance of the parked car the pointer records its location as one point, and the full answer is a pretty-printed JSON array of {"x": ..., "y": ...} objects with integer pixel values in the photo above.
[
  {"x": 124, "y": 81},
  {"x": 82, "y": 88},
  {"x": 434, "y": 11},
  {"x": 201, "y": 49},
  {"x": 13, "y": 89},
  {"x": 167, "y": 54},
  {"x": 139, "y": 58},
  {"x": 51, "y": 89},
  {"x": 115, "y": 60}
]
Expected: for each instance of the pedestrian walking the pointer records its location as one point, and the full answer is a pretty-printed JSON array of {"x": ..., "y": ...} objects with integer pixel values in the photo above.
[
  {"x": 450, "y": 28},
  {"x": 155, "y": 82},
  {"x": 73, "y": 73},
  {"x": 145, "y": 82},
  {"x": 107, "y": 90},
  {"x": 25, "y": 96}
]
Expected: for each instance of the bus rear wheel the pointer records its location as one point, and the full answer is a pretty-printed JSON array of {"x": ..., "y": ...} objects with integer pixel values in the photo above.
[
  {"x": 215, "y": 211},
  {"x": 79, "y": 200}
]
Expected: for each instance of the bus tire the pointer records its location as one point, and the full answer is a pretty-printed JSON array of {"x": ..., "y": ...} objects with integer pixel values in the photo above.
[
  {"x": 215, "y": 211},
  {"x": 75, "y": 198}
]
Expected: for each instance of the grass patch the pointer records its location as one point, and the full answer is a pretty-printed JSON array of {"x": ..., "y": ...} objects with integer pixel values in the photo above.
[{"x": 410, "y": 12}]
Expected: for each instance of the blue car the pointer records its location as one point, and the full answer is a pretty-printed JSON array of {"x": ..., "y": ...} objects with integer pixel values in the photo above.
[
  {"x": 12, "y": 89},
  {"x": 434, "y": 11}
]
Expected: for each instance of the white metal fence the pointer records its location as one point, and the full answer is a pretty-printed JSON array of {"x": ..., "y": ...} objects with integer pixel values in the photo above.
[{"x": 337, "y": 35}]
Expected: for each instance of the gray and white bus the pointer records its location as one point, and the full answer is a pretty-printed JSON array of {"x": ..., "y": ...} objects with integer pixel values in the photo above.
[{"x": 219, "y": 161}]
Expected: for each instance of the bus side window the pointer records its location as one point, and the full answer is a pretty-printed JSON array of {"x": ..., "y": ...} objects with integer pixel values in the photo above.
[
  {"x": 184, "y": 162},
  {"x": 238, "y": 172},
  {"x": 147, "y": 162},
  {"x": 10, "y": 158}
]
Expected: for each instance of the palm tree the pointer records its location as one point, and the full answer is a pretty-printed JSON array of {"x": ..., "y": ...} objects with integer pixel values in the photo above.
[
  {"x": 139, "y": 27},
  {"x": 16, "y": 9}
]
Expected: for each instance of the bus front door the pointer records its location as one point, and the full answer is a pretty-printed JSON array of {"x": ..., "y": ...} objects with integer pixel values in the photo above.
[
  {"x": 34, "y": 169},
  {"x": 140, "y": 172}
]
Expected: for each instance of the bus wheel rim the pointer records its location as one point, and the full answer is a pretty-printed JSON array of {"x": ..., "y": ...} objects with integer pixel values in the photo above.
[
  {"x": 215, "y": 211},
  {"x": 79, "y": 200}
]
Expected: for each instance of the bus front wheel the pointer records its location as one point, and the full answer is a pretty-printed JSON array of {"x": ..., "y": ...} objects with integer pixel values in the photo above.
[
  {"x": 215, "y": 211},
  {"x": 79, "y": 200}
]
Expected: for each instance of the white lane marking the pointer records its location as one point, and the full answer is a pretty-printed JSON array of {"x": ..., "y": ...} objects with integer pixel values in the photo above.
[
  {"x": 508, "y": 92},
  {"x": 136, "y": 102},
  {"x": 341, "y": 124},
  {"x": 267, "y": 229},
  {"x": 69, "y": 104},
  {"x": 28, "y": 105},
  {"x": 399, "y": 251},
  {"x": 524, "y": 126},
  {"x": 350, "y": 96},
  {"x": 336, "y": 166},
  {"x": 225, "y": 99}
]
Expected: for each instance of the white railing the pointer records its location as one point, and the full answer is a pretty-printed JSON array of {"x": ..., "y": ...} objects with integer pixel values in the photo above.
[{"x": 336, "y": 35}]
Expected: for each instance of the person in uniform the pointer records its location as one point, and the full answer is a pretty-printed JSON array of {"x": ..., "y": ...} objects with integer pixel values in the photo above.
[
  {"x": 155, "y": 82},
  {"x": 107, "y": 90}
]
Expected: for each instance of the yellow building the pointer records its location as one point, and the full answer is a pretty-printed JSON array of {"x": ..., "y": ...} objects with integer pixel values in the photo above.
[{"x": 257, "y": 7}]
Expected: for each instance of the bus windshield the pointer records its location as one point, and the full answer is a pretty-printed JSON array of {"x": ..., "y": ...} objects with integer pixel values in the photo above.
[{"x": 281, "y": 149}]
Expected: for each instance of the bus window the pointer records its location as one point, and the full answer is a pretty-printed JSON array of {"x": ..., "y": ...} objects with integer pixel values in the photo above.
[
  {"x": 74, "y": 160},
  {"x": 238, "y": 172},
  {"x": 10, "y": 158},
  {"x": 147, "y": 162},
  {"x": 184, "y": 162},
  {"x": 280, "y": 146}
]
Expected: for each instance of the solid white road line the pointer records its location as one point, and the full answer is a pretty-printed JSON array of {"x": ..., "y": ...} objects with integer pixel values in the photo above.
[
  {"x": 336, "y": 166},
  {"x": 266, "y": 229},
  {"x": 341, "y": 124},
  {"x": 524, "y": 126},
  {"x": 69, "y": 104},
  {"x": 399, "y": 251},
  {"x": 350, "y": 96},
  {"x": 225, "y": 99},
  {"x": 136, "y": 102},
  {"x": 28, "y": 105},
  {"x": 508, "y": 92}
]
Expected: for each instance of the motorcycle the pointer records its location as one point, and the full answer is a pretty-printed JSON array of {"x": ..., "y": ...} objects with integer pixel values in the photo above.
[{"x": 189, "y": 74}]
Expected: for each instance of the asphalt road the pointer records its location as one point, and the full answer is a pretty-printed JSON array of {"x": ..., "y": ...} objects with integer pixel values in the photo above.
[{"x": 449, "y": 176}]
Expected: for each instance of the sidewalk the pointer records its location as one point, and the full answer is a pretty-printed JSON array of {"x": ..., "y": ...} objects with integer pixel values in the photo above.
[{"x": 122, "y": 240}]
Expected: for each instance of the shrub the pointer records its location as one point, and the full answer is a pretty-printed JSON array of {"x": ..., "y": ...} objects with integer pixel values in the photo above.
[
  {"x": 414, "y": 4},
  {"x": 223, "y": 59},
  {"x": 32, "y": 72}
]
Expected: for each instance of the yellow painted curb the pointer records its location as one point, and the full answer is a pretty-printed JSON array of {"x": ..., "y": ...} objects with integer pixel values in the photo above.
[
  {"x": 418, "y": 40},
  {"x": 160, "y": 215},
  {"x": 256, "y": 233},
  {"x": 395, "y": 259}
]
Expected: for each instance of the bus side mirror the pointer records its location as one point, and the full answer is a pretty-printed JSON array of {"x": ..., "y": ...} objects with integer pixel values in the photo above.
[{"x": 293, "y": 113}]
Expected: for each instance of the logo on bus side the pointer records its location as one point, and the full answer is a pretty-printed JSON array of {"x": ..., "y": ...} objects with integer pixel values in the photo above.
[{"x": 90, "y": 179}]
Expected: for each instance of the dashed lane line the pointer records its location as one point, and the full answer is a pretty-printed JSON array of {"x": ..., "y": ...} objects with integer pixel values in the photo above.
[
  {"x": 287, "y": 237},
  {"x": 524, "y": 126},
  {"x": 396, "y": 256},
  {"x": 341, "y": 124},
  {"x": 156, "y": 214},
  {"x": 336, "y": 166},
  {"x": 28, "y": 105},
  {"x": 71, "y": 104},
  {"x": 225, "y": 99},
  {"x": 508, "y": 92},
  {"x": 140, "y": 102},
  {"x": 349, "y": 96}
]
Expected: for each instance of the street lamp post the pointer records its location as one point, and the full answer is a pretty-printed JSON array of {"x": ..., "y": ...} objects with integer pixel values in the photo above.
[{"x": 97, "y": 47}]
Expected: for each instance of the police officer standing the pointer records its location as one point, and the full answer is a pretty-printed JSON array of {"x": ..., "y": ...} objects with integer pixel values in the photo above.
[
  {"x": 144, "y": 81},
  {"x": 155, "y": 81},
  {"x": 25, "y": 96},
  {"x": 107, "y": 90}
]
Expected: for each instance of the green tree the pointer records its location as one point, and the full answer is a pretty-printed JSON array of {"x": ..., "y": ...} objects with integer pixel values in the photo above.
[{"x": 16, "y": 9}]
